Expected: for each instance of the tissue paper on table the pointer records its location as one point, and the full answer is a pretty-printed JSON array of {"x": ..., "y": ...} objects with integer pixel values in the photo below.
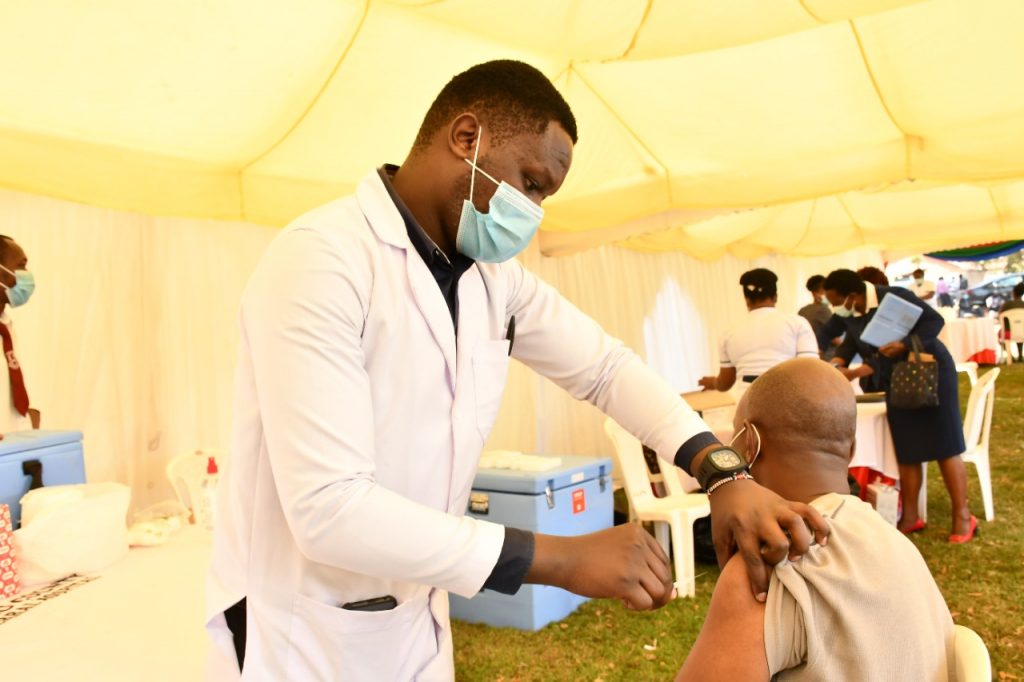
[
  {"x": 71, "y": 529},
  {"x": 8, "y": 569}
]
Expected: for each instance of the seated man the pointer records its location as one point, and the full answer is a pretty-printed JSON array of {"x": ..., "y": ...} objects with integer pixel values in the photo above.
[{"x": 864, "y": 607}]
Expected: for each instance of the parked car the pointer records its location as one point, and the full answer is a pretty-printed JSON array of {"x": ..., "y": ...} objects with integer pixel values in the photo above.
[{"x": 989, "y": 295}]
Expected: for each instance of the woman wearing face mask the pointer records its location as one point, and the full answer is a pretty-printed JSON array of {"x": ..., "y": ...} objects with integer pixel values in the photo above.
[
  {"x": 920, "y": 435},
  {"x": 17, "y": 286}
]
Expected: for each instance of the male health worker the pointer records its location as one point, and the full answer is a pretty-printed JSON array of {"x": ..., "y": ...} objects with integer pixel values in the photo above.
[{"x": 375, "y": 340}]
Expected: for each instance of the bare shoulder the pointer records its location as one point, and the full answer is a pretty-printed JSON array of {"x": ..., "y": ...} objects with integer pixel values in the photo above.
[{"x": 731, "y": 643}]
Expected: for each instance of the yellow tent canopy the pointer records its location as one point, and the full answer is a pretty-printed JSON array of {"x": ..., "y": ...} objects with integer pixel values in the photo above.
[{"x": 742, "y": 126}]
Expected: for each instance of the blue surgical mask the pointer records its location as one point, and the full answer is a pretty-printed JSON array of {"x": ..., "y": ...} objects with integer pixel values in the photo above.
[
  {"x": 24, "y": 285},
  {"x": 507, "y": 227}
]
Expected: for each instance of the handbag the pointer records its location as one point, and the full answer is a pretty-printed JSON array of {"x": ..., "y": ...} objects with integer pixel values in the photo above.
[{"x": 915, "y": 381}]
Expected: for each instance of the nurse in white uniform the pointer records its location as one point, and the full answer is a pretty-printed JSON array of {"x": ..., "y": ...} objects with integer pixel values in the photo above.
[
  {"x": 764, "y": 338},
  {"x": 375, "y": 338}
]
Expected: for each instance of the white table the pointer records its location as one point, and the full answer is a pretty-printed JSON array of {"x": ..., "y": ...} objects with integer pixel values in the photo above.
[
  {"x": 971, "y": 339},
  {"x": 874, "y": 441},
  {"x": 141, "y": 620}
]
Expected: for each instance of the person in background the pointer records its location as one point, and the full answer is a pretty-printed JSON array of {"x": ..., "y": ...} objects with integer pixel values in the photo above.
[
  {"x": 1015, "y": 303},
  {"x": 869, "y": 273},
  {"x": 763, "y": 339},
  {"x": 835, "y": 327},
  {"x": 942, "y": 290},
  {"x": 18, "y": 285},
  {"x": 919, "y": 435},
  {"x": 817, "y": 313},
  {"x": 842, "y": 612},
  {"x": 921, "y": 287}
]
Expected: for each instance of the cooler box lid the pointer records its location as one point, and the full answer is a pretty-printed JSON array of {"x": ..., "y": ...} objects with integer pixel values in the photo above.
[
  {"x": 575, "y": 469},
  {"x": 22, "y": 441}
]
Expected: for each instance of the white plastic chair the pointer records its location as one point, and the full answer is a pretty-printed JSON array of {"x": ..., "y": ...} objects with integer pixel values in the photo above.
[
  {"x": 977, "y": 430},
  {"x": 186, "y": 473},
  {"x": 972, "y": 661},
  {"x": 679, "y": 510},
  {"x": 1011, "y": 327},
  {"x": 970, "y": 369}
]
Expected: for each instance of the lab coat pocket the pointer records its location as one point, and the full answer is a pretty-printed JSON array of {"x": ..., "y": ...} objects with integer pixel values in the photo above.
[
  {"x": 331, "y": 643},
  {"x": 490, "y": 369}
]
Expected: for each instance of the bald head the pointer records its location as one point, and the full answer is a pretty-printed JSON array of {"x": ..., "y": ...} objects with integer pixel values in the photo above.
[{"x": 806, "y": 417}]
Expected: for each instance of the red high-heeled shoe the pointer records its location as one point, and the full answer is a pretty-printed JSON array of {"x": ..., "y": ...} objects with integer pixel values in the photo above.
[
  {"x": 915, "y": 527},
  {"x": 968, "y": 536}
]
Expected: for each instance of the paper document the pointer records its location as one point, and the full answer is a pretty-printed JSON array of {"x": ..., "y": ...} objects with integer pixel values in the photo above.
[{"x": 892, "y": 321}]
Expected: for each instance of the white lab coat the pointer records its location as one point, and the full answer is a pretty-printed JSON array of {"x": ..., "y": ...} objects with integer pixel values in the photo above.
[{"x": 359, "y": 420}]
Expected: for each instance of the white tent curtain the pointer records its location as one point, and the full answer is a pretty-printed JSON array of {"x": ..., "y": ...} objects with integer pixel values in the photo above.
[{"x": 131, "y": 335}]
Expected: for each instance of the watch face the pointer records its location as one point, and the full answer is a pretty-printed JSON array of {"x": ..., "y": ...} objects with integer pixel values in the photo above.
[{"x": 726, "y": 459}]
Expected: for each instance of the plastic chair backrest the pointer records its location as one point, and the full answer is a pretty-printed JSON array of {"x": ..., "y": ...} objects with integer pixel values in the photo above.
[
  {"x": 1012, "y": 321},
  {"x": 186, "y": 473},
  {"x": 677, "y": 481},
  {"x": 978, "y": 418},
  {"x": 630, "y": 455},
  {"x": 972, "y": 660}
]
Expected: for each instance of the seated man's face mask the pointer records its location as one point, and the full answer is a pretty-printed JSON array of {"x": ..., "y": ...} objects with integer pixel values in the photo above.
[
  {"x": 507, "y": 227},
  {"x": 24, "y": 285}
]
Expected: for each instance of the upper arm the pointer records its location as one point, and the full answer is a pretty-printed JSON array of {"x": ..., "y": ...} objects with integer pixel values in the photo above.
[
  {"x": 723, "y": 352},
  {"x": 556, "y": 339},
  {"x": 730, "y": 646},
  {"x": 726, "y": 378}
]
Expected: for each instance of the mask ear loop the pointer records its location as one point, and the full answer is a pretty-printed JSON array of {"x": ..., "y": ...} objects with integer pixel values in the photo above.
[
  {"x": 757, "y": 453},
  {"x": 472, "y": 175}
]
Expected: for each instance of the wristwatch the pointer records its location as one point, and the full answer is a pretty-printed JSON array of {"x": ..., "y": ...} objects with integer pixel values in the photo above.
[{"x": 720, "y": 463}]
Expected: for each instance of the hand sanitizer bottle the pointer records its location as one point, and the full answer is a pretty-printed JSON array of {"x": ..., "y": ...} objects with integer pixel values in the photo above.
[{"x": 209, "y": 490}]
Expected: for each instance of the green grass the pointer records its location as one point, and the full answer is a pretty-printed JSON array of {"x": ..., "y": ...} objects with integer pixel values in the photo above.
[{"x": 981, "y": 581}]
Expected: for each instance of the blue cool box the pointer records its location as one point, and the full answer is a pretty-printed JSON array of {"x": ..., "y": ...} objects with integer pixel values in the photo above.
[
  {"x": 59, "y": 454},
  {"x": 573, "y": 499}
]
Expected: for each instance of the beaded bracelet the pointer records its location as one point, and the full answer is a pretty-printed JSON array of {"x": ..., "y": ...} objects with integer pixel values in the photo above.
[{"x": 739, "y": 476}]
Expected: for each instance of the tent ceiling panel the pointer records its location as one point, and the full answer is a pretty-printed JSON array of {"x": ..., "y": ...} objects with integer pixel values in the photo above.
[
  {"x": 800, "y": 112},
  {"x": 828, "y": 129},
  {"x": 211, "y": 82}
]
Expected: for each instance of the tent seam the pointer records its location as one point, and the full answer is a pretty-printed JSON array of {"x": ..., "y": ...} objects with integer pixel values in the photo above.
[
  {"x": 999, "y": 214},
  {"x": 313, "y": 101},
  {"x": 853, "y": 221},
  {"x": 807, "y": 227},
  {"x": 631, "y": 132},
  {"x": 636, "y": 31},
  {"x": 811, "y": 14},
  {"x": 881, "y": 99}
]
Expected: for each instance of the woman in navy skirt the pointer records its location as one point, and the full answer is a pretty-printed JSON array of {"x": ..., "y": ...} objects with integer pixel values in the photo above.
[{"x": 920, "y": 435}]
